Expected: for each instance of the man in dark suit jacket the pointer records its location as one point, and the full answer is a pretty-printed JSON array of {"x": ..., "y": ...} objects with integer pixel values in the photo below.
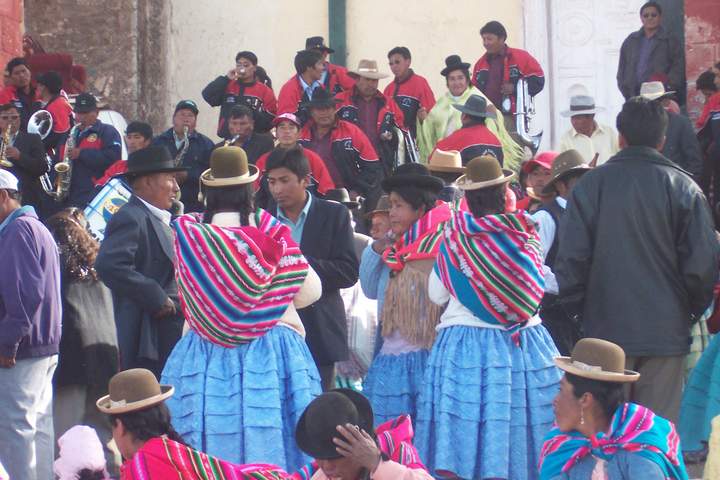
[
  {"x": 325, "y": 235},
  {"x": 136, "y": 262},
  {"x": 241, "y": 129},
  {"x": 25, "y": 151}
]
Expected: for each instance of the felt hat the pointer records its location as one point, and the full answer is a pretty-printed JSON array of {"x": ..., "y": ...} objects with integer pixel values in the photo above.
[
  {"x": 229, "y": 166},
  {"x": 341, "y": 195},
  {"x": 321, "y": 98},
  {"x": 382, "y": 207},
  {"x": 475, "y": 106},
  {"x": 151, "y": 159},
  {"x": 597, "y": 359},
  {"x": 85, "y": 102},
  {"x": 368, "y": 69},
  {"x": 445, "y": 161},
  {"x": 483, "y": 172},
  {"x": 542, "y": 159},
  {"x": 317, "y": 43},
  {"x": 317, "y": 426},
  {"x": 452, "y": 63},
  {"x": 566, "y": 163},
  {"x": 415, "y": 174},
  {"x": 132, "y": 390},
  {"x": 581, "y": 105},
  {"x": 654, "y": 90}
]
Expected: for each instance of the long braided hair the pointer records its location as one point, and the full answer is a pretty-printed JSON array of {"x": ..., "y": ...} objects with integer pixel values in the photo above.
[{"x": 148, "y": 423}]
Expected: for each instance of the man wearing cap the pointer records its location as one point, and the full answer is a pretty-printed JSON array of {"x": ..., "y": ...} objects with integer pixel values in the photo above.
[
  {"x": 196, "y": 156},
  {"x": 411, "y": 92},
  {"x": 138, "y": 135},
  {"x": 294, "y": 95},
  {"x": 537, "y": 172},
  {"x": 380, "y": 219},
  {"x": 335, "y": 78},
  {"x": 368, "y": 108},
  {"x": 242, "y": 133},
  {"x": 136, "y": 259},
  {"x": 497, "y": 72},
  {"x": 474, "y": 139},
  {"x": 346, "y": 151},
  {"x": 240, "y": 87},
  {"x": 97, "y": 146},
  {"x": 681, "y": 143},
  {"x": 19, "y": 90},
  {"x": 30, "y": 317},
  {"x": 49, "y": 87},
  {"x": 638, "y": 256},
  {"x": 594, "y": 141}
]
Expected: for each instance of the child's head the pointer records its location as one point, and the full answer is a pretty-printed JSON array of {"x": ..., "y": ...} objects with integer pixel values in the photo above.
[{"x": 81, "y": 455}]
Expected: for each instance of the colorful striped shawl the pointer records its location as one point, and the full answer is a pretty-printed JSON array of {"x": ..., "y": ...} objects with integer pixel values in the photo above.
[
  {"x": 235, "y": 283},
  {"x": 162, "y": 458},
  {"x": 633, "y": 428},
  {"x": 421, "y": 241},
  {"x": 493, "y": 266}
]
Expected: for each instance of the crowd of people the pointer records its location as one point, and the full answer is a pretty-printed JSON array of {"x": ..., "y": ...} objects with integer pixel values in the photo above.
[{"x": 357, "y": 283}]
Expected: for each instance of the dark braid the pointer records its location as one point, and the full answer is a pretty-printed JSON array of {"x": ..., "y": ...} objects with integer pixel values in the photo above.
[{"x": 149, "y": 423}]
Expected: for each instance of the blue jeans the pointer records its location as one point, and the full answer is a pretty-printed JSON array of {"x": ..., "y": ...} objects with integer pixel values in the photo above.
[{"x": 26, "y": 424}]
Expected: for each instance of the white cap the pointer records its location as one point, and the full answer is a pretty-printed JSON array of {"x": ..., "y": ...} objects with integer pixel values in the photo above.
[{"x": 8, "y": 181}]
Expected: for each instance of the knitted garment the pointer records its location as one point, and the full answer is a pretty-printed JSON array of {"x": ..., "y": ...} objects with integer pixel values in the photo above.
[{"x": 421, "y": 241}]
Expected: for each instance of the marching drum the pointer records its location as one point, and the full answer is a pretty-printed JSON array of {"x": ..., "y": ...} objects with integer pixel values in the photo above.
[{"x": 112, "y": 196}]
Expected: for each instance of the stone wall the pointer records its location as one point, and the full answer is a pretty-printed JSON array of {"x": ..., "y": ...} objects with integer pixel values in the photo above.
[{"x": 11, "y": 18}]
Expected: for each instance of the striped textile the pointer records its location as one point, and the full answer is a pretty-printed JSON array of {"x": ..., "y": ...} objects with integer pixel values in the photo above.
[
  {"x": 633, "y": 428},
  {"x": 235, "y": 283},
  {"x": 421, "y": 241},
  {"x": 162, "y": 458},
  {"x": 493, "y": 266}
]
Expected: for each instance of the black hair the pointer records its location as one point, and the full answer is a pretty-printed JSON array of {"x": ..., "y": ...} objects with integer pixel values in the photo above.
[
  {"x": 7, "y": 106},
  {"x": 706, "y": 81},
  {"x": 52, "y": 81},
  {"x": 148, "y": 423},
  {"x": 656, "y": 5},
  {"x": 293, "y": 159},
  {"x": 246, "y": 54},
  {"x": 87, "y": 474},
  {"x": 642, "y": 122},
  {"x": 262, "y": 76},
  {"x": 236, "y": 198},
  {"x": 473, "y": 120},
  {"x": 571, "y": 175},
  {"x": 402, "y": 51},
  {"x": 609, "y": 395},
  {"x": 15, "y": 62},
  {"x": 142, "y": 128},
  {"x": 240, "y": 111},
  {"x": 417, "y": 197},
  {"x": 495, "y": 28},
  {"x": 14, "y": 194},
  {"x": 306, "y": 59},
  {"x": 486, "y": 201}
]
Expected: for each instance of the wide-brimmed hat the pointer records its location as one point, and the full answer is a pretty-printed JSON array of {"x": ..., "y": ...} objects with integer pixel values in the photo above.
[
  {"x": 131, "y": 390},
  {"x": 368, "y": 69},
  {"x": 542, "y": 159},
  {"x": 452, "y": 63},
  {"x": 85, "y": 102},
  {"x": 383, "y": 206},
  {"x": 414, "y": 174},
  {"x": 341, "y": 195},
  {"x": 654, "y": 90},
  {"x": 321, "y": 98},
  {"x": 317, "y": 426},
  {"x": 445, "y": 161},
  {"x": 475, "y": 106},
  {"x": 229, "y": 166},
  {"x": 597, "y": 359},
  {"x": 566, "y": 163},
  {"x": 581, "y": 105},
  {"x": 151, "y": 159},
  {"x": 483, "y": 172},
  {"x": 317, "y": 43}
]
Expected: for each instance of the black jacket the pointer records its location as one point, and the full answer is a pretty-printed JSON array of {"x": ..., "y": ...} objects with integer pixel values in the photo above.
[
  {"x": 329, "y": 246},
  {"x": 682, "y": 146},
  {"x": 638, "y": 252},
  {"x": 136, "y": 263},
  {"x": 255, "y": 146},
  {"x": 29, "y": 168}
]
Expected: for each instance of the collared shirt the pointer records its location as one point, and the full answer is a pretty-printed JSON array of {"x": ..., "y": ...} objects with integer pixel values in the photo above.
[
  {"x": 603, "y": 141},
  {"x": 496, "y": 72},
  {"x": 163, "y": 215},
  {"x": 646, "y": 46},
  {"x": 308, "y": 89},
  {"x": 296, "y": 228},
  {"x": 367, "y": 112},
  {"x": 323, "y": 147}
]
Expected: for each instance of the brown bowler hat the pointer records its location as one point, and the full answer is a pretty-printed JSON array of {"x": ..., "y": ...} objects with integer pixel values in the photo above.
[
  {"x": 229, "y": 166},
  {"x": 597, "y": 359},
  {"x": 483, "y": 172},
  {"x": 564, "y": 164},
  {"x": 383, "y": 206},
  {"x": 131, "y": 390}
]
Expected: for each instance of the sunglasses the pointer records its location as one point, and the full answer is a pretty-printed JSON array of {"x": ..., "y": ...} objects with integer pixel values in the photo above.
[{"x": 9, "y": 117}]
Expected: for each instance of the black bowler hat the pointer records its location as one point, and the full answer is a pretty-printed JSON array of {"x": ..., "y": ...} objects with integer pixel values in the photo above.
[
  {"x": 152, "y": 159},
  {"x": 317, "y": 43},
  {"x": 321, "y": 98},
  {"x": 475, "y": 106},
  {"x": 452, "y": 63},
  {"x": 341, "y": 195},
  {"x": 85, "y": 102},
  {"x": 318, "y": 424},
  {"x": 414, "y": 174}
]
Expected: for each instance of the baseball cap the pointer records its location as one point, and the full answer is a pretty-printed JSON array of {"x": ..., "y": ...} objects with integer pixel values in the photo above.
[
  {"x": 8, "y": 181},
  {"x": 187, "y": 105},
  {"x": 85, "y": 102},
  {"x": 543, "y": 159},
  {"x": 290, "y": 117}
]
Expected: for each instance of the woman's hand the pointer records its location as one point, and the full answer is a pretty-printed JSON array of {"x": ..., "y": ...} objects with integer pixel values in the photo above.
[{"x": 358, "y": 445}]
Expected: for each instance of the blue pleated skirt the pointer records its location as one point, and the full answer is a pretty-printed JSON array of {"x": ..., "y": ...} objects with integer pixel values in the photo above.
[
  {"x": 393, "y": 383},
  {"x": 701, "y": 399},
  {"x": 486, "y": 404},
  {"x": 242, "y": 404}
]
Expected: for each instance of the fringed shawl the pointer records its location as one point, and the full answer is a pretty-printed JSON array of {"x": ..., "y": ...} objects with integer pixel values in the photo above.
[{"x": 235, "y": 283}]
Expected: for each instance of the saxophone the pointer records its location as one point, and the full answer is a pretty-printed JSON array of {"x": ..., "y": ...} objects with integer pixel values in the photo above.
[
  {"x": 186, "y": 144},
  {"x": 4, "y": 162},
  {"x": 64, "y": 169},
  {"x": 231, "y": 141}
]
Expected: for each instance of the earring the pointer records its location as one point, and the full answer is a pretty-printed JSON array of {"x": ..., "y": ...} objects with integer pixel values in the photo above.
[{"x": 582, "y": 416}]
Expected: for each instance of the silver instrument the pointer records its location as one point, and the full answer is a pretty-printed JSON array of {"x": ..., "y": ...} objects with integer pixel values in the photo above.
[
  {"x": 524, "y": 111},
  {"x": 186, "y": 144},
  {"x": 4, "y": 162},
  {"x": 40, "y": 123},
  {"x": 231, "y": 141}
]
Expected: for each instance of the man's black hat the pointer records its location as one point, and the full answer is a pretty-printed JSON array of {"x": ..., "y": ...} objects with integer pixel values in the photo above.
[
  {"x": 321, "y": 98},
  {"x": 152, "y": 159},
  {"x": 85, "y": 102},
  {"x": 317, "y": 43},
  {"x": 452, "y": 63},
  {"x": 414, "y": 174},
  {"x": 475, "y": 106}
]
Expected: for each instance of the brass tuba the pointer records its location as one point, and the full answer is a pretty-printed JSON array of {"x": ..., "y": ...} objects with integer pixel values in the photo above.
[
  {"x": 41, "y": 123},
  {"x": 524, "y": 111},
  {"x": 64, "y": 169},
  {"x": 4, "y": 162}
]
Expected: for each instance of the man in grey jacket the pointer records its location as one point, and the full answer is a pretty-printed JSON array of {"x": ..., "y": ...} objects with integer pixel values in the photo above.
[{"x": 639, "y": 257}]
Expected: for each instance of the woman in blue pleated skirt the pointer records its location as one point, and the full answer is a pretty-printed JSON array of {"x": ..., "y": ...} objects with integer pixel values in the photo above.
[{"x": 486, "y": 400}]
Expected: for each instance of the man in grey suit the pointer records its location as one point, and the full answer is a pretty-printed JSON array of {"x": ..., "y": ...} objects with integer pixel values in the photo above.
[{"x": 136, "y": 262}]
